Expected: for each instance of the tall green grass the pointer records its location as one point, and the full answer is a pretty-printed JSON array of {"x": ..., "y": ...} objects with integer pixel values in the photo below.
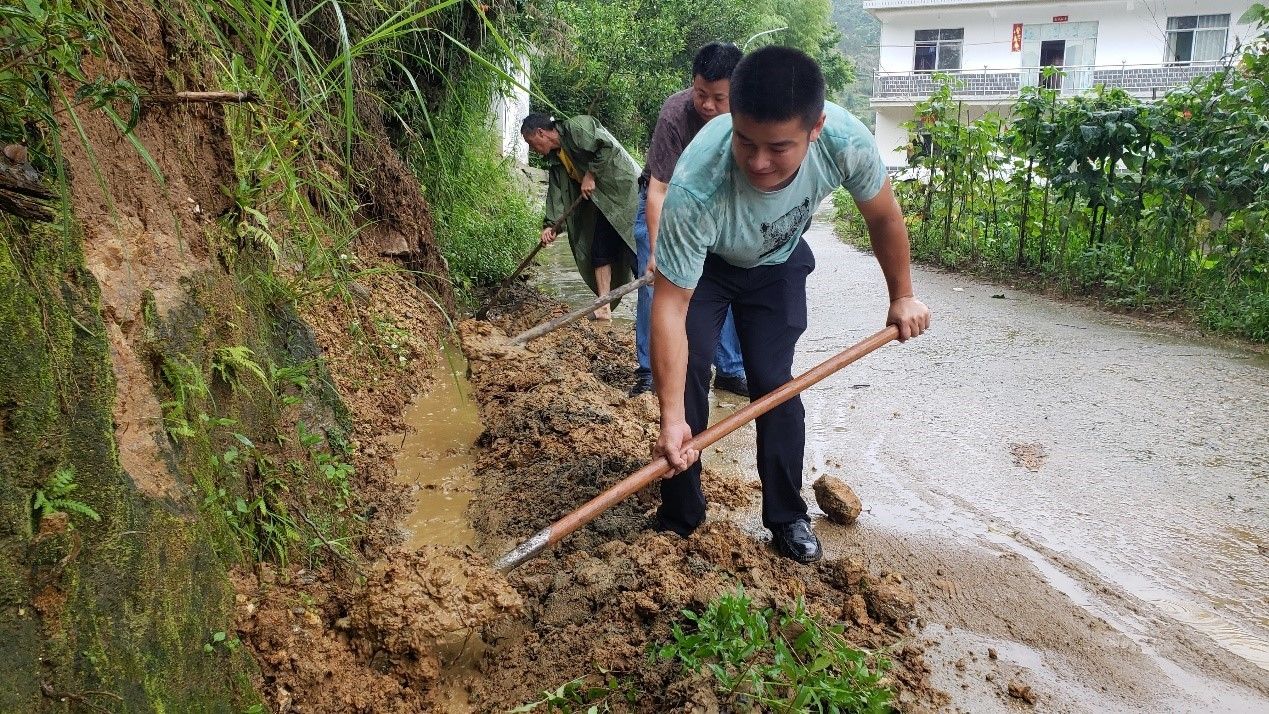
[{"x": 484, "y": 221}]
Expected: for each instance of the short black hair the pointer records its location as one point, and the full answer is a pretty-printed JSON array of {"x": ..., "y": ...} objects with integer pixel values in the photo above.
[
  {"x": 715, "y": 61},
  {"x": 775, "y": 84},
  {"x": 536, "y": 121}
]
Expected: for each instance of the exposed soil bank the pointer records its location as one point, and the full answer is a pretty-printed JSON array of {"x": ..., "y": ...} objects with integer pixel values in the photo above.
[
  {"x": 559, "y": 429},
  {"x": 141, "y": 343}
]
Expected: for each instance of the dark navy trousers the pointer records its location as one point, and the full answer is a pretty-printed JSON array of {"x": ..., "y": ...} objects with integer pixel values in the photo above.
[{"x": 769, "y": 304}]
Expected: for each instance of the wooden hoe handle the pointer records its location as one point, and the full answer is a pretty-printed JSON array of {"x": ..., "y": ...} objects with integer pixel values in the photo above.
[
  {"x": 610, "y": 296},
  {"x": 591, "y": 510},
  {"x": 482, "y": 312}
]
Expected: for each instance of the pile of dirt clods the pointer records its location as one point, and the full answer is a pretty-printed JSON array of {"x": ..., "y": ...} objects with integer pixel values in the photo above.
[
  {"x": 559, "y": 429},
  {"x": 325, "y": 647}
]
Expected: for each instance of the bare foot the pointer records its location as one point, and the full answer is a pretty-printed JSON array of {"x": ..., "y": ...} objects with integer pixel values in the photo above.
[{"x": 603, "y": 313}]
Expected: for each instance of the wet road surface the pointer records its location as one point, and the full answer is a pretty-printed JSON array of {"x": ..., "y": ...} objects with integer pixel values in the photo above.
[{"x": 1086, "y": 494}]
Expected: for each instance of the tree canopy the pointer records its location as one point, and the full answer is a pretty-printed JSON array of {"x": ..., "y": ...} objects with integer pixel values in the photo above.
[{"x": 618, "y": 61}]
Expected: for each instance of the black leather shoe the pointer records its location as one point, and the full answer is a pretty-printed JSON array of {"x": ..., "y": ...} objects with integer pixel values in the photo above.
[
  {"x": 797, "y": 541},
  {"x": 643, "y": 383},
  {"x": 734, "y": 383}
]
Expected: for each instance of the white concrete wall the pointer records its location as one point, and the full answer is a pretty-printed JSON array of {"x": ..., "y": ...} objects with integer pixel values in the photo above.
[
  {"x": 509, "y": 108},
  {"x": 1129, "y": 31},
  {"x": 892, "y": 138}
]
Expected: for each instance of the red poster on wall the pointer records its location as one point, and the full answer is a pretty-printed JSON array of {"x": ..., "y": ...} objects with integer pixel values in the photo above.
[
  {"x": 1015, "y": 42},
  {"x": 1061, "y": 18}
]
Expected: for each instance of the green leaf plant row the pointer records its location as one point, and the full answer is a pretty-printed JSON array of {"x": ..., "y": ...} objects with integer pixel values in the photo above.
[{"x": 1152, "y": 205}]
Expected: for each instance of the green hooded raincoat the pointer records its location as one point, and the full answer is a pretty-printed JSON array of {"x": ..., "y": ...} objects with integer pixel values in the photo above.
[{"x": 593, "y": 149}]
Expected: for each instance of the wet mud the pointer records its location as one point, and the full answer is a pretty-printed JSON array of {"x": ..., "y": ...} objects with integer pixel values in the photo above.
[
  {"x": 558, "y": 430},
  {"x": 326, "y": 647},
  {"x": 436, "y": 459},
  {"x": 1077, "y": 499}
]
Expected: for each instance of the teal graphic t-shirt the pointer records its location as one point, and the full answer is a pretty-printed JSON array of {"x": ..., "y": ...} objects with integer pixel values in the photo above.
[{"x": 712, "y": 208}]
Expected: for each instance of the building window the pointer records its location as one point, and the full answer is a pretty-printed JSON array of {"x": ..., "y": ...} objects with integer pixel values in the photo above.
[
  {"x": 1197, "y": 38},
  {"x": 938, "y": 50}
]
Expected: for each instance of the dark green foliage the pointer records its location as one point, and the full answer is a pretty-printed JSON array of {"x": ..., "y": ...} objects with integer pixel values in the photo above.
[
  {"x": 55, "y": 497},
  {"x": 42, "y": 43},
  {"x": 618, "y": 61},
  {"x": 861, "y": 35},
  {"x": 484, "y": 223}
]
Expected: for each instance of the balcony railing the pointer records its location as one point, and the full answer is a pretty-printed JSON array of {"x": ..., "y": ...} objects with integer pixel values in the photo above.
[{"x": 1004, "y": 84}]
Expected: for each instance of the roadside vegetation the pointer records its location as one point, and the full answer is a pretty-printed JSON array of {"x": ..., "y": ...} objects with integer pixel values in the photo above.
[
  {"x": 780, "y": 660},
  {"x": 748, "y": 658},
  {"x": 1161, "y": 207},
  {"x": 619, "y": 61},
  {"x": 313, "y": 79},
  {"x": 328, "y": 122}
]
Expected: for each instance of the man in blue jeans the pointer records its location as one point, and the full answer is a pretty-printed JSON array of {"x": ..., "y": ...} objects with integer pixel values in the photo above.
[{"x": 682, "y": 116}]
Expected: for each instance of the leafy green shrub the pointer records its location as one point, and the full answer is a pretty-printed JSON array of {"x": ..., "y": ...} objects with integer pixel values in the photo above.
[
  {"x": 785, "y": 661},
  {"x": 1241, "y": 309},
  {"x": 484, "y": 222}
]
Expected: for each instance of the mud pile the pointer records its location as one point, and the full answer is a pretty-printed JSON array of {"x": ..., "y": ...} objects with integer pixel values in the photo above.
[
  {"x": 324, "y": 647},
  {"x": 559, "y": 429}
]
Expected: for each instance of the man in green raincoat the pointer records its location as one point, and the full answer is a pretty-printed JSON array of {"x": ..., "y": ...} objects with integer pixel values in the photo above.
[{"x": 585, "y": 158}]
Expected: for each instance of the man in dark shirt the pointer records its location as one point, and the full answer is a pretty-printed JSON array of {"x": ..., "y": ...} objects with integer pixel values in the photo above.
[{"x": 682, "y": 116}]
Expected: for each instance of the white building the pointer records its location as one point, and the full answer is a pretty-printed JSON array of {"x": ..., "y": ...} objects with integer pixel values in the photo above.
[
  {"x": 510, "y": 106},
  {"x": 995, "y": 47}
]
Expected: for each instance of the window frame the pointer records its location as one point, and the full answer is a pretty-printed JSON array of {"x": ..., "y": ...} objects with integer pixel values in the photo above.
[
  {"x": 943, "y": 37},
  {"x": 1173, "y": 37}
]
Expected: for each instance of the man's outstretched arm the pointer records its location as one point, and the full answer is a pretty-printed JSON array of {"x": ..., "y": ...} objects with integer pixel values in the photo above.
[
  {"x": 669, "y": 369},
  {"x": 656, "y": 200},
  {"x": 889, "y": 237}
]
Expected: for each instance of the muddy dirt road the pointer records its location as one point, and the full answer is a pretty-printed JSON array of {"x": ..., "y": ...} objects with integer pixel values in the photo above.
[{"x": 1084, "y": 495}]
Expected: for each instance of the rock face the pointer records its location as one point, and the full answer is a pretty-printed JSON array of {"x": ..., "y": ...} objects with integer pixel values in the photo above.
[{"x": 838, "y": 501}]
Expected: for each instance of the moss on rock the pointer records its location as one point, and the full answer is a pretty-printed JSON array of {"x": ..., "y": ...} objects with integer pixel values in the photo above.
[{"x": 112, "y": 613}]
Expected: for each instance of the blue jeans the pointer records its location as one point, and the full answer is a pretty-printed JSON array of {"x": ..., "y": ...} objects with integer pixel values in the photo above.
[{"x": 727, "y": 355}]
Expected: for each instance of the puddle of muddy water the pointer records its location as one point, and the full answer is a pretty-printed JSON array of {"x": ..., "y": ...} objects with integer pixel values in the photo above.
[
  {"x": 557, "y": 276},
  {"x": 437, "y": 460},
  {"x": 437, "y": 457}
]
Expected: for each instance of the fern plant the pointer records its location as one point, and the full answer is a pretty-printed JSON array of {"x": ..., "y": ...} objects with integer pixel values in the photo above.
[
  {"x": 230, "y": 363},
  {"x": 55, "y": 497}
]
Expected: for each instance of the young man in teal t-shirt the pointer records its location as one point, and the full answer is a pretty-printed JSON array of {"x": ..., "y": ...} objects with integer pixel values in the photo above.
[{"x": 740, "y": 199}]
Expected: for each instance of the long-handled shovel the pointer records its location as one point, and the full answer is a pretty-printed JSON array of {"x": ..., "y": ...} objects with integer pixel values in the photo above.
[
  {"x": 559, "y": 222},
  {"x": 554, "y": 324},
  {"x": 591, "y": 510}
]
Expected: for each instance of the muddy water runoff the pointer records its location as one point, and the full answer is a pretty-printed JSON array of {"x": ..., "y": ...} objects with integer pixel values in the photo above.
[
  {"x": 1112, "y": 454},
  {"x": 436, "y": 457}
]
